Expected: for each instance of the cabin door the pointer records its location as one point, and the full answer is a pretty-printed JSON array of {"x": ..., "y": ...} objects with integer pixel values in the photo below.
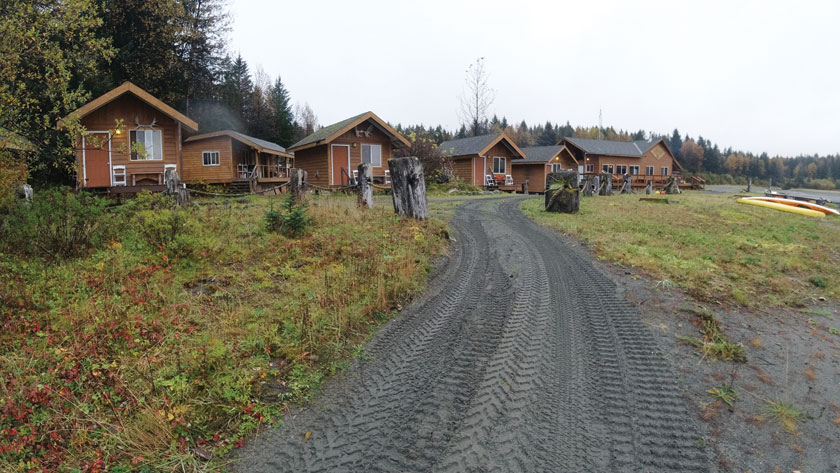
[
  {"x": 340, "y": 164},
  {"x": 97, "y": 160}
]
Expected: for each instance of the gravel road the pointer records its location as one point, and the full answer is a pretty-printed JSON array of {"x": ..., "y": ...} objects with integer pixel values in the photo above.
[{"x": 519, "y": 357}]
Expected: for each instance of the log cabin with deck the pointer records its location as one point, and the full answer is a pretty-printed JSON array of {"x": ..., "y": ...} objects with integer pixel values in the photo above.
[
  {"x": 484, "y": 161},
  {"x": 538, "y": 162},
  {"x": 331, "y": 155},
  {"x": 241, "y": 162},
  {"x": 644, "y": 160},
  {"x": 133, "y": 156}
]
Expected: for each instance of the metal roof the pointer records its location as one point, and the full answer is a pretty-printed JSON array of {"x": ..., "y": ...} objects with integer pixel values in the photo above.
[{"x": 540, "y": 154}]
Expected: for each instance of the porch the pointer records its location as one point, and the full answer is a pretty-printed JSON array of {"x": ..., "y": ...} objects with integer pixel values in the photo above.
[{"x": 639, "y": 181}]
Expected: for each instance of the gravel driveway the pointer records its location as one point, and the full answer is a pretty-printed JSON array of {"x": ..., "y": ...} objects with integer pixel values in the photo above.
[{"x": 519, "y": 357}]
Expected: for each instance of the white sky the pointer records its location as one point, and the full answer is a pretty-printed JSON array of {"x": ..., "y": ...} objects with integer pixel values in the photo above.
[{"x": 757, "y": 76}]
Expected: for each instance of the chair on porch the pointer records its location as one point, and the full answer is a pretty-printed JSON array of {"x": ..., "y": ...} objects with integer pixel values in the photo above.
[
  {"x": 387, "y": 177},
  {"x": 489, "y": 180},
  {"x": 508, "y": 180}
]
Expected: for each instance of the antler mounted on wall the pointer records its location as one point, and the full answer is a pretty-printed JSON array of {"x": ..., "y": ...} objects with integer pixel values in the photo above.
[
  {"x": 366, "y": 133},
  {"x": 140, "y": 125}
]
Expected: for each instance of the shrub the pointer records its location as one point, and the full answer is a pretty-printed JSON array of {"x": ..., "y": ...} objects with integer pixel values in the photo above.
[
  {"x": 817, "y": 281},
  {"x": 293, "y": 220},
  {"x": 58, "y": 223},
  {"x": 158, "y": 223},
  {"x": 12, "y": 175}
]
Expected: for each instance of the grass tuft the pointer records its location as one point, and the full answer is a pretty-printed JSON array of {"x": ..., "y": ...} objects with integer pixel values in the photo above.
[{"x": 786, "y": 414}]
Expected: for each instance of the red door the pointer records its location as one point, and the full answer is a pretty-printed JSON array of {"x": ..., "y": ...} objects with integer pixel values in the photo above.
[
  {"x": 340, "y": 164},
  {"x": 97, "y": 163}
]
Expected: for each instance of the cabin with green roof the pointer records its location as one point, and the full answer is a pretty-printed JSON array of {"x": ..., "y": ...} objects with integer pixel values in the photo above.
[{"x": 332, "y": 153}]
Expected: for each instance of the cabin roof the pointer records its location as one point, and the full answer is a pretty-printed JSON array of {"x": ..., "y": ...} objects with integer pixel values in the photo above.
[
  {"x": 477, "y": 145},
  {"x": 262, "y": 146},
  {"x": 128, "y": 87},
  {"x": 613, "y": 148},
  {"x": 331, "y": 132},
  {"x": 541, "y": 154}
]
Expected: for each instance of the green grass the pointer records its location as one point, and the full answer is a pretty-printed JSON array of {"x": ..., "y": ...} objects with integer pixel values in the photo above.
[
  {"x": 134, "y": 355},
  {"x": 710, "y": 246},
  {"x": 786, "y": 414}
]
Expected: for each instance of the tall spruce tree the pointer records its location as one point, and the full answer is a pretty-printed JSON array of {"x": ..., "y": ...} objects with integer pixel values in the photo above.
[
  {"x": 548, "y": 137},
  {"x": 283, "y": 119}
]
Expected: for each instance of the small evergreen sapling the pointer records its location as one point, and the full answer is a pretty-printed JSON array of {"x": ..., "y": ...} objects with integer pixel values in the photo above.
[{"x": 292, "y": 220}]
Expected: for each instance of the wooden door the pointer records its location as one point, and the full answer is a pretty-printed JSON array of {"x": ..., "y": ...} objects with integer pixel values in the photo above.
[
  {"x": 97, "y": 160},
  {"x": 340, "y": 164}
]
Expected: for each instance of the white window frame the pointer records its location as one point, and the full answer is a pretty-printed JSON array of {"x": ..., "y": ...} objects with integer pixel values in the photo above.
[
  {"x": 622, "y": 167},
  {"x": 608, "y": 168},
  {"x": 153, "y": 158},
  {"x": 636, "y": 168},
  {"x": 663, "y": 170},
  {"x": 218, "y": 158},
  {"x": 590, "y": 168},
  {"x": 556, "y": 167},
  {"x": 649, "y": 170},
  {"x": 377, "y": 164},
  {"x": 501, "y": 159}
]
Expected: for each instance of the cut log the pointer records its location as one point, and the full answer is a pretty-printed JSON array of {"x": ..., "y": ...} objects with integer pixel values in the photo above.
[
  {"x": 297, "y": 185},
  {"x": 365, "y": 190},
  {"x": 175, "y": 188},
  {"x": 606, "y": 184},
  {"x": 408, "y": 187},
  {"x": 626, "y": 184},
  {"x": 562, "y": 194},
  {"x": 671, "y": 185}
]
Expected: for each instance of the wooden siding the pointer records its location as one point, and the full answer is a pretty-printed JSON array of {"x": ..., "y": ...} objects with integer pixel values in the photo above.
[
  {"x": 377, "y": 138},
  {"x": 131, "y": 110},
  {"x": 535, "y": 174},
  {"x": 462, "y": 168},
  {"x": 316, "y": 162},
  {"x": 194, "y": 169}
]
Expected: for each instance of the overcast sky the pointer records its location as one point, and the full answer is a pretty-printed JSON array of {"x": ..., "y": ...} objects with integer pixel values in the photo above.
[{"x": 758, "y": 76}]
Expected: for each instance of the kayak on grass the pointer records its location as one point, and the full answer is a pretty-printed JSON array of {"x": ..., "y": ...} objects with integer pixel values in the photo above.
[{"x": 783, "y": 207}]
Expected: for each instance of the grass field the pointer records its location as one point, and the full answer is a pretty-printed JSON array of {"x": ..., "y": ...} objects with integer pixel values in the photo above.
[
  {"x": 143, "y": 356},
  {"x": 710, "y": 246}
]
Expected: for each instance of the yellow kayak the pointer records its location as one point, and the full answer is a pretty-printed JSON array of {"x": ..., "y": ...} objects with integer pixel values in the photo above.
[
  {"x": 783, "y": 207},
  {"x": 797, "y": 203}
]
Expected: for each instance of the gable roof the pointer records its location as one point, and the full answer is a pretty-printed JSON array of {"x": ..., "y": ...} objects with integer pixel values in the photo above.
[
  {"x": 262, "y": 146},
  {"x": 541, "y": 154},
  {"x": 331, "y": 132},
  {"x": 128, "y": 87},
  {"x": 477, "y": 145},
  {"x": 634, "y": 149}
]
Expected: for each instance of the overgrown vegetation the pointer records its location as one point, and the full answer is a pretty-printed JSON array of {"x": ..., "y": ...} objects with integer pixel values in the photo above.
[
  {"x": 291, "y": 221},
  {"x": 165, "y": 343},
  {"x": 711, "y": 247}
]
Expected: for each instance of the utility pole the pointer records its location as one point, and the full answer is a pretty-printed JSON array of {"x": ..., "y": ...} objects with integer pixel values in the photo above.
[{"x": 600, "y": 123}]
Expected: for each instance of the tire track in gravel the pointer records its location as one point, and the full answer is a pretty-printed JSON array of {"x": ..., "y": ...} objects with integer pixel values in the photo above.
[{"x": 519, "y": 357}]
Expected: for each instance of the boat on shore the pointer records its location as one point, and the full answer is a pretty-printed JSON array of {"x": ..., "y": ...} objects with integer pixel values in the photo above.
[
  {"x": 780, "y": 206},
  {"x": 797, "y": 203}
]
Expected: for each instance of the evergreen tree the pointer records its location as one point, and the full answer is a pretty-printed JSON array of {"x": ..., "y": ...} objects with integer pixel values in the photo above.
[
  {"x": 548, "y": 136},
  {"x": 675, "y": 143},
  {"x": 283, "y": 118},
  {"x": 236, "y": 92}
]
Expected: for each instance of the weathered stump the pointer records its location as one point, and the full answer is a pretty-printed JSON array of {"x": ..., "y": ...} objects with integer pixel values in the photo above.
[
  {"x": 24, "y": 193},
  {"x": 586, "y": 186},
  {"x": 297, "y": 185},
  {"x": 525, "y": 187},
  {"x": 649, "y": 188},
  {"x": 365, "y": 190},
  {"x": 671, "y": 185},
  {"x": 408, "y": 187},
  {"x": 749, "y": 185},
  {"x": 626, "y": 184},
  {"x": 596, "y": 186},
  {"x": 175, "y": 188},
  {"x": 561, "y": 192},
  {"x": 606, "y": 184}
]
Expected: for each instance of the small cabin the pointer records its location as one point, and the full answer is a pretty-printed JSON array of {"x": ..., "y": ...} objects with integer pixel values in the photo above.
[
  {"x": 538, "y": 162},
  {"x": 228, "y": 157},
  {"x": 136, "y": 154},
  {"x": 332, "y": 154},
  {"x": 643, "y": 160},
  {"x": 484, "y": 161}
]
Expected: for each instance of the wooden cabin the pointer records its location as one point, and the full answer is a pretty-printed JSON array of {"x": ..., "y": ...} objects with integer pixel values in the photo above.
[
  {"x": 133, "y": 156},
  {"x": 538, "y": 162},
  {"x": 643, "y": 160},
  {"x": 242, "y": 162},
  {"x": 484, "y": 161},
  {"x": 332, "y": 154}
]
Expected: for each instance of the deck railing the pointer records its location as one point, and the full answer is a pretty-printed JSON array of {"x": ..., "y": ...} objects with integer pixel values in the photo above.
[{"x": 261, "y": 171}]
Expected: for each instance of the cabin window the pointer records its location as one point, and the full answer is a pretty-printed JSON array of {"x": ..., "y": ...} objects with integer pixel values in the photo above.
[
  {"x": 590, "y": 168},
  {"x": 210, "y": 158},
  {"x": 621, "y": 169},
  {"x": 634, "y": 170},
  {"x": 664, "y": 171},
  {"x": 372, "y": 154},
  {"x": 556, "y": 167},
  {"x": 499, "y": 165},
  {"x": 146, "y": 145},
  {"x": 649, "y": 170}
]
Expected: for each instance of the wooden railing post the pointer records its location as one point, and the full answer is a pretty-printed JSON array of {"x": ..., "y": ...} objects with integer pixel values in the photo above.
[
  {"x": 408, "y": 187},
  {"x": 364, "y": 188}
]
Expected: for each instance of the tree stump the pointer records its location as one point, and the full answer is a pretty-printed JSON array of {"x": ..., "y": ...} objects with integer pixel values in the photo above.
[
  {"x": 606, "y": 184},
  {"x": 24, "y": 193},
  {"x": 749, "y": 185},
  {"x": 649, "y": 188},
  {"x": 525, "y": 187},
  {"x": 671, "y": 185},
  {"x": 175, "y": 188},
  {"x": 365, "y": 190},
  {"x": 408, "y": 187},
  {"x": 596, "y": 186},
  {"x": 562, "y": 194},
  {"x": 297, "y": 185},
  {"x": 626, "y": 184},
  {"x": 586, "y": 186}
]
